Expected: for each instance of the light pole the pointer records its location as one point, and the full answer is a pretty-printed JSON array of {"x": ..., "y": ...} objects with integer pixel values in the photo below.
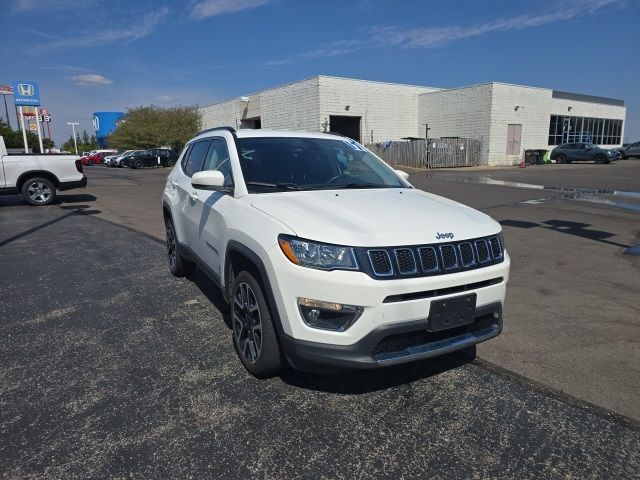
[{"x": 73, "y": 128}]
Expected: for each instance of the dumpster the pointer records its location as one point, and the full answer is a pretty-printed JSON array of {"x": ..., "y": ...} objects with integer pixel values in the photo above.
[
  {"x": 531, "y": 157},
  {"x": 534, "y": 156}
]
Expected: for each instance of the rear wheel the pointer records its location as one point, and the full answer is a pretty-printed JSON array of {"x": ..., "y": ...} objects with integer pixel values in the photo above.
[
  {"x": 177, "y": 264},
  {"x": 39, "y": 191},
  {"x": 254, "y": 337},
  {"x": 561, "y": 158}
]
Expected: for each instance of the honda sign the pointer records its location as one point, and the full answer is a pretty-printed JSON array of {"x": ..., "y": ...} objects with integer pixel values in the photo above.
[{"x": 26, "y": 94}]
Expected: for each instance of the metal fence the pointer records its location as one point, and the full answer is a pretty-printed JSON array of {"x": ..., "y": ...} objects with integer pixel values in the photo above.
[{"x": 442, "y": 153}]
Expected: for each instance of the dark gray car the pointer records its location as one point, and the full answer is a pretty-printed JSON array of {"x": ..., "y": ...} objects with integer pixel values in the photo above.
[
  {"x": 631, "y": 150},
  {"x": 583, "y": 152}
]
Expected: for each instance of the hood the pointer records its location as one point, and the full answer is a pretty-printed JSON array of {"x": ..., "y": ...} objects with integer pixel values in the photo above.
[{"x": 375, "y": 217}]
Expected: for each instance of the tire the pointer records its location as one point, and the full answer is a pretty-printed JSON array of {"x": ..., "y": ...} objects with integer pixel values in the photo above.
[
  {"x": 39, "y": 191},
  {"x": 600, "y": 159},
  {"x": 138, "y": 164},
  {"x": 177, "y": 264},
  {"x": 254, "y": 337},
  {"x": 561, "y": 158},
  {"x": 171, "y": 162},
  {"x": 91, "y": 163}
]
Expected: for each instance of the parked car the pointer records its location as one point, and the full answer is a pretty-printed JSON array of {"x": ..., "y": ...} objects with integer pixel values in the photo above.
[
  {"x": 582, "y": 151},
  {"x": 630, "y": 150},
  {"x": 38, "y": 178},
  {"x": 329, "y": 258},
  {"x": 111, "y": 160},
  {"x": 154, "y": 157},
  {"x": 97, "y": 157},
  {"x": 107, "y": 160}
]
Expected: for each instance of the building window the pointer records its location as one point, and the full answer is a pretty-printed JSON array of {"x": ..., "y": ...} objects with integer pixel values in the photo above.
[{"x": 601, "y": 131}]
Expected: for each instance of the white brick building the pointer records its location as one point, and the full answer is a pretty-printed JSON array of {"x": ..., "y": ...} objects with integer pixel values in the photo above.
[{"x": 507, "y": 118}]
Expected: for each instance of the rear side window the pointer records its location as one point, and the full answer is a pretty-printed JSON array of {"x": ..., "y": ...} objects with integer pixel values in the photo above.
[
  {"x": 218, "y": 159},
  {"x": 195, "y": 157}
]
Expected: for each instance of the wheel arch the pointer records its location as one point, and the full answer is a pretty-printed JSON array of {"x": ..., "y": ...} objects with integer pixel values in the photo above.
[
  {"x": 34, "y": 174},
  {"x": 238, "y": 254}
]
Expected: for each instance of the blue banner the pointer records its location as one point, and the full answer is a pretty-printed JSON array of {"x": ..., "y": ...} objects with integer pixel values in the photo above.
[
  {"x": 26, "y": 94},
  {"x": 105, "y": 122}
]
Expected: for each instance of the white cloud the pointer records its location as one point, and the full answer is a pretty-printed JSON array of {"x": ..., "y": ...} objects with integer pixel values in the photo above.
[
  {"x": 136, "y": 30},
  {"x": 431, "y": 37},
  {"x": 90, "y": 79},
  {"x": 164, "y": 98},
  {"x": 211, "y": 8}
]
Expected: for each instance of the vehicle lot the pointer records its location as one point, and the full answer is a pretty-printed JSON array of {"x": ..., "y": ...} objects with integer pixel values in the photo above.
[{"x": 111, "y": 367}]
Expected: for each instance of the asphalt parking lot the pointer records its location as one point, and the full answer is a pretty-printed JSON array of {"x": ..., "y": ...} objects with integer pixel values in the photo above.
[{"x": 110, "y": 367}]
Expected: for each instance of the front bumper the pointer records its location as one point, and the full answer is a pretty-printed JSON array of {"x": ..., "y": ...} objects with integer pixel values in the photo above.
[
  {"x": 386, "y": 303},
  {"x": 393, "y": 344}
]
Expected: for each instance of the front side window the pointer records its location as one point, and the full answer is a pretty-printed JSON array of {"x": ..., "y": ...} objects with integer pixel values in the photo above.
[
  {"x": 196, "y": 156},
  {"x": 283, "y": 163},
  {"x": 218, "y": 159}
]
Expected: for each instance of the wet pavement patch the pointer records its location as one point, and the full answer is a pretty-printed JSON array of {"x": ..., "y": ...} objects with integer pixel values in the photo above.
[
  {"x": 633, "y": 250},
  {"x": 613, "y": 198},
  {"x": 108, "y": 368}
]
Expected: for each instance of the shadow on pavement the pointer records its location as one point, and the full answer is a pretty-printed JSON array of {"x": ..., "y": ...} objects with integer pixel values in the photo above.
[
  {"x": 75, "y": 210},
  {"x": 360, "y": 382},
  {"x": 571, "y": 228},
  {"x": 213, "y": 293},
  {"x": 13, "y": 200}
]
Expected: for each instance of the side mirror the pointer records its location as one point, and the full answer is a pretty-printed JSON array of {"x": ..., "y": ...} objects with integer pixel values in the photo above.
[
  {"x": 403, "y": 175},
  {"x": 208, "y": 180}
]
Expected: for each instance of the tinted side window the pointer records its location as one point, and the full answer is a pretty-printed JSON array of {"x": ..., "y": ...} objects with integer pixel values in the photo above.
[
  {"x": 218, "y": 159},
  {"x": 196, "y": 157}
]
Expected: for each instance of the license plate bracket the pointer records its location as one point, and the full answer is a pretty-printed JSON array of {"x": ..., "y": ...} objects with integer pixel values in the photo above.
[{"x": 452, "y": 312}]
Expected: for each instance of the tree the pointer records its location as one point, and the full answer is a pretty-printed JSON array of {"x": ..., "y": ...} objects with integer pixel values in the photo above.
[
  {"x": 148, "y": 127},
  {"x": 85, "y": 139},
  {"x": 13, "y": 138}
]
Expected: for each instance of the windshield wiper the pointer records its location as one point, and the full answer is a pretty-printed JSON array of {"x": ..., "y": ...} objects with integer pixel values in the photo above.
[{"x": 278, "y": 186}]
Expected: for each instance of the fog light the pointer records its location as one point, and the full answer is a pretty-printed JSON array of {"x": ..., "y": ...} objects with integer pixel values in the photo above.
[{"x": 328, "y": 316}]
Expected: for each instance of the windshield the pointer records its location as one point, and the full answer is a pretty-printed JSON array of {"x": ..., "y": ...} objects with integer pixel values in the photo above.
[{"x": 282, "y": 163}]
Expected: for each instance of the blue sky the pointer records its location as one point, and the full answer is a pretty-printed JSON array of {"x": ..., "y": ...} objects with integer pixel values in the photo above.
[{"x": 91, "y": 55}]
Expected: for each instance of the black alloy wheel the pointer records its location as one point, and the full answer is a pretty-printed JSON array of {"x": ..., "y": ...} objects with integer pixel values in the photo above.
[{"x": 254, "y": 337}]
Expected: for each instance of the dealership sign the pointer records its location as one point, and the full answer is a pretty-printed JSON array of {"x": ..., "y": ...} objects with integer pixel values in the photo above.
[
  {"x": 29, "y": 112},
  {"x": 6, "y": 90},
  {"x": 26, "y": 94}
]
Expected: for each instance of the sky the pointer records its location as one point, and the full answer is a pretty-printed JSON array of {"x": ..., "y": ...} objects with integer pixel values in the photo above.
[{"x": 92, "y": 55}]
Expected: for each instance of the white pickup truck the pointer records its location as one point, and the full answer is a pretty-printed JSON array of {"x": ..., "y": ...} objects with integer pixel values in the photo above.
[{"x": 38, "y": 177}]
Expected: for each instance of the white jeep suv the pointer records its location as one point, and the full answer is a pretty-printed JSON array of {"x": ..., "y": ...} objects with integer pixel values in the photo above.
[{"x": 329, "y": 258}]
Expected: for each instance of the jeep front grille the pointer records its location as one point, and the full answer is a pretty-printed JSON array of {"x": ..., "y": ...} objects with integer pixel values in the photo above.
[
  {"x": 427, "y": 260},
  {"x": 380, "y": 262},
  {"x": 406, "y": 261}
]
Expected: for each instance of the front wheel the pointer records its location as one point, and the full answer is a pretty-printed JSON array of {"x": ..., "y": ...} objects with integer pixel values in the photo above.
[
  {"x": 600, "y": 159},
  {"x": 39, "y": 191},
  {"x": 254, "y": 337},
  {"x": 91, "y": 163},
  {"x": 138, "y": 164},
  {"x": 561, "y": 159}
]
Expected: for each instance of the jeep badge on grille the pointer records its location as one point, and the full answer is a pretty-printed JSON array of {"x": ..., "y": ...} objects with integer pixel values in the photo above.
[{"x": 440, "y": 236}]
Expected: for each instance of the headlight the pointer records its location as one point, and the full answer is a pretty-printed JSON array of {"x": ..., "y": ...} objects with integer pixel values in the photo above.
[{"x": 317, "y": 255}]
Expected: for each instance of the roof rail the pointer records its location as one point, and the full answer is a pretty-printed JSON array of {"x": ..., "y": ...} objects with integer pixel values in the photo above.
[{"x": 228, "y": 129}]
